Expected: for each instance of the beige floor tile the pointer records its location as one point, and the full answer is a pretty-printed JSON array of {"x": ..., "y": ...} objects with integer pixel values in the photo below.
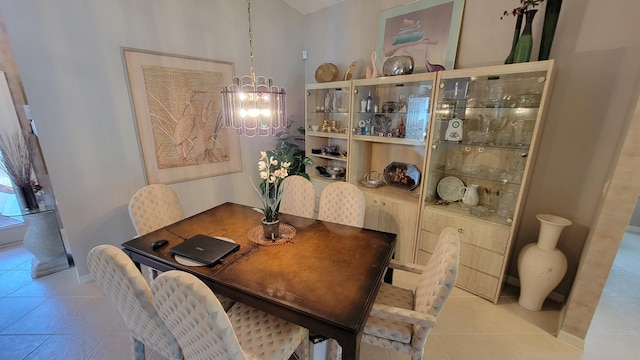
[
  {"x": 98, "y": 318},
  {"x": 613, "y": 316},
  {"x": 547, "y": 320},
  {"x": 373, "y": 352},
  {"x": 14, "y": 255},
  {"x": 112, "y": 346},
  {"x": 13, "y": 280},
  {"x": 15, "y": 308},
  {"x": 64, "y": 347},
  {"x": 63, "y": 283},
  {"x": 48, "y": 317},
  {"x": 19, "y": 346},
  {"x": 463, "y": 315},
  {"x": 501, "y": 347},
  {"x": 619, "y": 347}
]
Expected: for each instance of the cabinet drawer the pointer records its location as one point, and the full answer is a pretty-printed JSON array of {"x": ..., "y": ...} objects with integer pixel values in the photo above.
[
  {"x": 493, "y": 237},
  {"x": 469, "y": 279},
  {"x": 471, "y": 256},
  {"x": 477, "y": 282}
]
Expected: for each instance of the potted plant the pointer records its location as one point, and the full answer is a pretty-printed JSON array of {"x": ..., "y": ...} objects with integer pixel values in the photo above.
[
  {"x": 287, "y": 150},
  {"x": 272, "y": 171}
]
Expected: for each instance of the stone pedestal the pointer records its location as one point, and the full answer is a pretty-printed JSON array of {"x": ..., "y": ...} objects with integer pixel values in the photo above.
[{"x": 44, "y": 241}]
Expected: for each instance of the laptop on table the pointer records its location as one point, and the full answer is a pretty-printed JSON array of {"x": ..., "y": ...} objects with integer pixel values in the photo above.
[{"x": 205, "y": 249}]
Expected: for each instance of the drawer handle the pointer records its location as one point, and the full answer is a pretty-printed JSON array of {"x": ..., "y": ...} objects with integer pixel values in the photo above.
[{"x": 461, "y": 231}]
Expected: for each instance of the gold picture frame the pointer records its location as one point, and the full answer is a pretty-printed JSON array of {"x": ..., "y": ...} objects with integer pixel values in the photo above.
[{"x": 178, "y": 112}]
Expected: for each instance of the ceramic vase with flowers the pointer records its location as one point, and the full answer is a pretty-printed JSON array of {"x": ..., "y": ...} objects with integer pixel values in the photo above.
[{"x": 272, "y": 172}]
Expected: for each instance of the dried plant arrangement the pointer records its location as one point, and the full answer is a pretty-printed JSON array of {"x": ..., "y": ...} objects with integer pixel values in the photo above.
[{"x": 17, "y": 158}]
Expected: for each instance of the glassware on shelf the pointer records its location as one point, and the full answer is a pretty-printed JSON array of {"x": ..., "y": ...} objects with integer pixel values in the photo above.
[
  {"x": 522, "y": 131},
  {"x": 516, "y": 167},
  {"x": 507, "y": 203}
]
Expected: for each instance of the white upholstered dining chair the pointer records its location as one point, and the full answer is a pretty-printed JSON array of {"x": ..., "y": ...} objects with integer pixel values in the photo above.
[
  {"x": 342, "y": 203},
  {"x": 298, "y": 196},
  {"x": 205, "y": 331},
  {"x": 401, "y": 319},
  {"x": 153, "y": 207},
  {"x": 124, "y": 285}
]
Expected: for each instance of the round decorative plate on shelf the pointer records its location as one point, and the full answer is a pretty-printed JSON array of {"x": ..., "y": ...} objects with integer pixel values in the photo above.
[
  {"x": 401, "y": 175},
  {"x": 327, "y": 72},
  {"x": 449, "y": 188}
]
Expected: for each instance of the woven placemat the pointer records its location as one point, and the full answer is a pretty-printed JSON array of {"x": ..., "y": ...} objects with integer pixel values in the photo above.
[{"x": 287, "y": 233}]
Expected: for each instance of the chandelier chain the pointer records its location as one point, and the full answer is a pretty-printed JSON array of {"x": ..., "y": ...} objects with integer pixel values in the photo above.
[{"x": 253, "y": 74}]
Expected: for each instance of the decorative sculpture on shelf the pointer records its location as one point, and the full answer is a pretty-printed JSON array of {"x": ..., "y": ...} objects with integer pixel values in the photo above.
[
  {"x": 372, "y": 72},
  {"x": 430, "y": 67}
]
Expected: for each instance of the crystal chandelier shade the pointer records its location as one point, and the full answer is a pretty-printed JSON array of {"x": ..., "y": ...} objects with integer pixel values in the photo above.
[{"x": 252, "y": 105}]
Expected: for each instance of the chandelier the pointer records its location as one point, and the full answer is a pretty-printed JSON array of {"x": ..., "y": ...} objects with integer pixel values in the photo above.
[{"x": 252, "y": 105}]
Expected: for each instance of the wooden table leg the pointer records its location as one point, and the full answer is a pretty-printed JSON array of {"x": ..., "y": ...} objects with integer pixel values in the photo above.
[{"x": 351, "y": 347}]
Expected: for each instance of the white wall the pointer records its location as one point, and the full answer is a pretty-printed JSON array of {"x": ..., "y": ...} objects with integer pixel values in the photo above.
[{"x": 69, "y": 57}]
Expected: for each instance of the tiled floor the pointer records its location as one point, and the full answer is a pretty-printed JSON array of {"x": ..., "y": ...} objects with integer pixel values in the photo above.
[{"x": 54, "y": 317}]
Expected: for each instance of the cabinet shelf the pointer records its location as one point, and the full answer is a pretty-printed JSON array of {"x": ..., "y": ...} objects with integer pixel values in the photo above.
[
  {"x": 395, "y": 193},
  {"x": 388, "y": 140},
  {"x": 457, "y": 208},
  {"x": 327, "y": 181},
  {"x": 329, "y": 112},
  {"x": 382, "y": 113},
  {"x": 327, "y": 134},
  {"x": 329, "y": 157},
  {"x": 478, "y": 146},
  {"x": 498, "y": 107},
  {"x": 475, "y": 175}
]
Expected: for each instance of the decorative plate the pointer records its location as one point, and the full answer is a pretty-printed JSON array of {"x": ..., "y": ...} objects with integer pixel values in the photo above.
[
  {"x": 401, "y": 175},
  {"x": 327, "y": 72},
  {"x": 449, "y": 188}
]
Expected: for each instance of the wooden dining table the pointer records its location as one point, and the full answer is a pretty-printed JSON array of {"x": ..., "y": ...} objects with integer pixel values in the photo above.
[{"x": 325, "y": 278}]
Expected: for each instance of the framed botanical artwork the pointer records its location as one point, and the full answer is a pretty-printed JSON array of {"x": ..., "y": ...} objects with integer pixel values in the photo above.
[
  {"x": 178, "y": 113},
  {"x": 426, "y": 30}
]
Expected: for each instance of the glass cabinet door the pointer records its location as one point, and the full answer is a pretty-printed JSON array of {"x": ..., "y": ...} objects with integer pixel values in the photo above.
[
  {"x": 327, "y": 121},
  {"x": 390, "y": 121},
  {"x": 484, "y": 127}
]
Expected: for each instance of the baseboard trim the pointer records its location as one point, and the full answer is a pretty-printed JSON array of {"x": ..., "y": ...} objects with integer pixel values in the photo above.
[
  {"x": 85, "y": 278},
  {"x": 571, "y": 339},
  {"x": 512, "y": 280},
  {"x": 633, "y": 229}
]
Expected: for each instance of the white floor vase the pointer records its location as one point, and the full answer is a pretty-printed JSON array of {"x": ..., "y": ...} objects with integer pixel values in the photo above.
[{"x": 541, "y": 266}]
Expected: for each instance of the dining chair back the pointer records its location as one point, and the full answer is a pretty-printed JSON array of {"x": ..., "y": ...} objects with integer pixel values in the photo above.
[
  {"x": 298, "y": 196},
  {"x": 119, "y": 278},
  {"x": 205, "y": 331},
  {"x": 153, "y": 207},
  {"x": 342, "y": 203}
]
